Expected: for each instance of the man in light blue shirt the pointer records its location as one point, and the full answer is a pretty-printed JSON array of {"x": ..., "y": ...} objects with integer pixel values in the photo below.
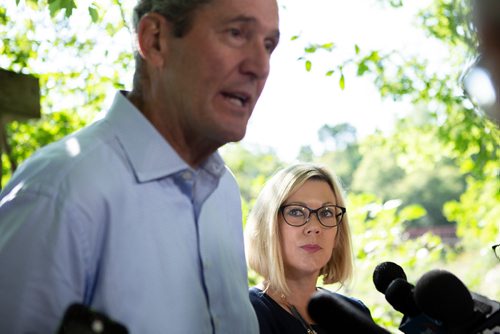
[{"x": 136, "y": 215}]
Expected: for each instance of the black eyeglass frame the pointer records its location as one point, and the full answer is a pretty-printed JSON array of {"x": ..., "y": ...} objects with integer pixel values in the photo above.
[
  {"x": 311, "y": 211},
  {"x": 494, "y": 247}
]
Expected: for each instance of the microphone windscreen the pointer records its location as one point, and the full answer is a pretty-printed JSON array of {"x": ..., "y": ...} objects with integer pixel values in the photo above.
[
  {"x": 443, "y": 296},
  {"x": 385, "y": 273},
  {"x": 400, "y": 295},
  {"x": 80, "y": 319},
  {"x": 336, "y": 315}
]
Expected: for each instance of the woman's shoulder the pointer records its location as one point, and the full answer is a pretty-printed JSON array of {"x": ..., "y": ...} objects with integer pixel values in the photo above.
[
  {"x": 352, "y": 300},
  {"x": 259, "y": 299},
  {"x": 255, "y": 291},
  {"x": 272, "y": 317},
  {"x": 256, "y": 294}
]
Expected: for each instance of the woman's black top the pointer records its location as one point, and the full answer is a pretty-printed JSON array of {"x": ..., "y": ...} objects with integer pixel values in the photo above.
[{"x": 274, "y": 319}]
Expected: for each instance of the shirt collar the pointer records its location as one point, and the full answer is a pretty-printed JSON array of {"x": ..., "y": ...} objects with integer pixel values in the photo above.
[{"x": 149, "y": 154}]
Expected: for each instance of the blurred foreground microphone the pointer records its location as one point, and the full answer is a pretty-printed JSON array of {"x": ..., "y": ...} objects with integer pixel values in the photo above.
[
  {"x": 443, "y": 296},
  {"x": 336, "y": 315},
  {"x": 79, "y": 319},
  {"x": 390, "y": 279}
]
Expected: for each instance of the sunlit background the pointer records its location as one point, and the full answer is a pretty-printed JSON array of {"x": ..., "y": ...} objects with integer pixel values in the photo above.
[
  {"x": 296, "y": 102},
  {"x": 421, "y": 160}
]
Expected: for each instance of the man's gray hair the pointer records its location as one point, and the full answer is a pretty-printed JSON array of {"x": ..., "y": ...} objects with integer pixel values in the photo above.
[{"x": 179, "y": 12}]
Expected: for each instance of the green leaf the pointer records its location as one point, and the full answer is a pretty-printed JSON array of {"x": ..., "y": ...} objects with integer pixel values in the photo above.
[
  {"x": 310, "y": 49},
  {"x": 412, "y": 212},
  {"x": 329, "y": 73},
  {"x": 308, "y": 65},
  {"x": 3, "y": 16},
  {"x": 328, "y": 46},
  {"x": 54, "y": 7},
  {"x": 57, "y": 5},
  {"x": 374, "y": 56},
  {"x": 356, "y": 49},
  {"x": 69, "y": 5},
  {"x": 362, "y": 69},
  {"x": 342, "y": 81},
  {"x": 93, "y": 12}
]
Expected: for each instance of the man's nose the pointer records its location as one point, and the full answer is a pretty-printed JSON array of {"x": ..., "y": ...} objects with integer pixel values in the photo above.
[{"x": 257, "y": 61}]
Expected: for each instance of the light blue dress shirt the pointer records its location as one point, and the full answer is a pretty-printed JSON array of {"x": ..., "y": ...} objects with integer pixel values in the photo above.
[{"x": 112, "y": 217}]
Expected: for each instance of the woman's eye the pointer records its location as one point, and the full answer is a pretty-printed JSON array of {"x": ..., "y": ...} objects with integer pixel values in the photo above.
[
  {"x": 327, "y": 213},
  {"x": 295, "y": 212}
]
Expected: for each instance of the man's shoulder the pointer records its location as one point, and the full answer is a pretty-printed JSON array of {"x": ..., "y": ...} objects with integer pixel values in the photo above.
[
  {"x": 228, "y": 181},
  {"x": 81, "y": 157}
]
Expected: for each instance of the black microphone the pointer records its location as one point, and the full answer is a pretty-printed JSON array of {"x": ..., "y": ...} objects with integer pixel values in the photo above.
[
  {"x": 80, "y": 319},
  {"x": 336, "y": 315},
  {"x": 444, "y": 296},
  {"x": 385, "y": 273},
  {"x": 400, "y": 295},
  {"x": 390, "y": 279}
]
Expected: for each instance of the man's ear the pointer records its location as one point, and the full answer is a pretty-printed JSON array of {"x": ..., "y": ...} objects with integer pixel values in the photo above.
[{"x": 152, "y": 36}]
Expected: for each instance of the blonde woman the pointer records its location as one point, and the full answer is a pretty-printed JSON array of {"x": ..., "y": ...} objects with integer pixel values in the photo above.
[{"x": 297, "y": 231}]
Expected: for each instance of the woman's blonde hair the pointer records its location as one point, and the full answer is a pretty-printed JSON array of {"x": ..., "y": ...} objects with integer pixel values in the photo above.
[{"x": 262, "y": 238}]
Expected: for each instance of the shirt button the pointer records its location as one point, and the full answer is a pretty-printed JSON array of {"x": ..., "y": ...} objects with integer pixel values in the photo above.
[{"x": 187, "y": 176}]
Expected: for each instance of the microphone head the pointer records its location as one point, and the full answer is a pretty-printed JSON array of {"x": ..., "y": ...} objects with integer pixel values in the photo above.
[
  {"x": 80, "y": 319},
  {"x": 336, "y": 315},
  {"x": 400, "y": 295},
  {"x": 385, "y": 273},
  {"x": 443, "y": 296}
]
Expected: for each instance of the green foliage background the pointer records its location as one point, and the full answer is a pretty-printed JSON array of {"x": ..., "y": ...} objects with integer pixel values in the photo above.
[{"x": 439, "y": 167}]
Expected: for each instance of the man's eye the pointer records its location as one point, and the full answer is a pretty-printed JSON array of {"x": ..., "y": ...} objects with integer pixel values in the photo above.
[
  {"x": 270, "y": 46},
  {"x": 235, "y": 32}
]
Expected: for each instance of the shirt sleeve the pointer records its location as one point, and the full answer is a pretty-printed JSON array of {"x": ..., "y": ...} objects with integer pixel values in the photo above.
[{"x": 42, "y": 261}]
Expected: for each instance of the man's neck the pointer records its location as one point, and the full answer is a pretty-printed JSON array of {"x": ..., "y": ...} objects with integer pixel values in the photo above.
[{"x": 193, "y": 150}]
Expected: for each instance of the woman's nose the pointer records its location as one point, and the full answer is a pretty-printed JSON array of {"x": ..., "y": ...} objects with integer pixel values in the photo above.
[{"x": 313, "y": 225}]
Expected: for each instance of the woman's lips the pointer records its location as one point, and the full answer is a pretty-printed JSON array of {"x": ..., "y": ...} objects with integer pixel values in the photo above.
[{"x": 311, "y": 248}]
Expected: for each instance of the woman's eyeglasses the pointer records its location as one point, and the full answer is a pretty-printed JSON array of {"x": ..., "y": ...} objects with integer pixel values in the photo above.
[
  {"x": 299, "y": 215},
  {"x": 496, "y": 249}
]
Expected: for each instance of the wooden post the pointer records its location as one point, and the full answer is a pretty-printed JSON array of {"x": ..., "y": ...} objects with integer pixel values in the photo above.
[{"x": 19, "y": 100}]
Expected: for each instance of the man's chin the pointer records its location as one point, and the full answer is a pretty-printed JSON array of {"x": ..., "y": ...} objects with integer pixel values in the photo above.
[{"x": 236, "y": 137}]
